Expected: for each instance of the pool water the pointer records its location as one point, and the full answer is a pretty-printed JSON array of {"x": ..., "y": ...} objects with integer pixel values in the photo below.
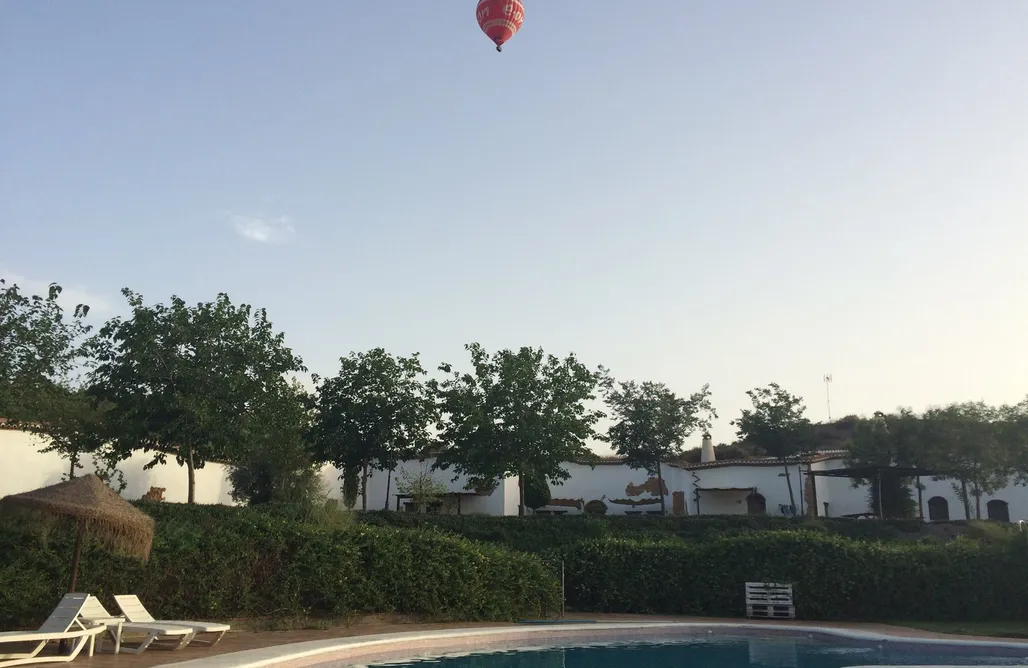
[{"x": 723, "y": 652}]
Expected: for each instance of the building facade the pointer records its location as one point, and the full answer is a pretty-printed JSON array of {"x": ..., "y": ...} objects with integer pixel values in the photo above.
[{"x": 710, "y": 487}]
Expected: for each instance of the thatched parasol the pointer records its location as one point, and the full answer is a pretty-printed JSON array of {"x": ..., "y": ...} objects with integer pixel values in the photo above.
[{"x": 97, "y": 509}]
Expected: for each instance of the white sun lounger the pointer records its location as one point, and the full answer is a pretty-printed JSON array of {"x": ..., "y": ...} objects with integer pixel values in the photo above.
[
  {"x": 93, "y": 612},
  {"x": 135, "y": 611},
  {"x": 58, "y": 626}
]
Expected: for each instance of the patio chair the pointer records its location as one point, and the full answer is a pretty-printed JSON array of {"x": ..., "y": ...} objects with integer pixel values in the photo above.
[
  {"x": 93, "y": 612},
  {"x": 58, "y": 626},
  {"x": 135, "y": 611}
]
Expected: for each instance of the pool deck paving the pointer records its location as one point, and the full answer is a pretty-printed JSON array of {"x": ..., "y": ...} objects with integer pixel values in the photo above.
[{"x": 238, "y": 641}]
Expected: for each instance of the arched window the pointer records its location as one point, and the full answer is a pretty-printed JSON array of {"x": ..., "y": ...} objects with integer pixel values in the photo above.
[
  {"x": 938, "y": 509},
  {"x": 756, "y": 504},
  {"x": 998, "y": 510}
]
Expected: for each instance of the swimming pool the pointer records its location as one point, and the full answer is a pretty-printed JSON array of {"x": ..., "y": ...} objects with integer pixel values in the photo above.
[
  {"x": 651, "y": 644},
  {"x": 716, "y": 652}
]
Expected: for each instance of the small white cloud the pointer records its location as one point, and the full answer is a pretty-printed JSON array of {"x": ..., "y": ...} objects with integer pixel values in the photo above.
[
  {"x": 71, "y": 295},
  {"x": 264, "y": 229}
]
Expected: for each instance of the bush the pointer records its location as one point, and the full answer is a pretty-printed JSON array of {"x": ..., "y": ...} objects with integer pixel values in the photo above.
[
  {"x": 834, "y": 577},
  {"x": 545, "y": 533},
  {"x": 223, "y": 563}
]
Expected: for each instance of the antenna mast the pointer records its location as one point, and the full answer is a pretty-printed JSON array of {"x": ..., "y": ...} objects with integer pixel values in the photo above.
[{"x": 828, "y": 394}]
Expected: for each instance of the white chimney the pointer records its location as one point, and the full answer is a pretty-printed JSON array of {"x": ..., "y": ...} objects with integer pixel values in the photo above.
[{"x": 707, "y": 449}]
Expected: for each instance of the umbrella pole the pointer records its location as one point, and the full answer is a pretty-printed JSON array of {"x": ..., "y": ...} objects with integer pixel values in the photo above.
[
  {"x": 75, "y": 559},
  {"x": 65, "y": 645}
]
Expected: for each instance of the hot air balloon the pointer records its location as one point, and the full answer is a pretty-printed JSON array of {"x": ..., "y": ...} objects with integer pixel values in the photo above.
[{"x": 500, "y": 19}]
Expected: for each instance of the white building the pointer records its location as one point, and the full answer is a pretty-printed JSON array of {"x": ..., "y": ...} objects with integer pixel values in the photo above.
[{"x": 731, "y": 487}]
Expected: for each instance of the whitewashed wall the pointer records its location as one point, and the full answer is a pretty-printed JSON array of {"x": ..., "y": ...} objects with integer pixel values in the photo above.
[
  {"x": 840, "y": 494},
  {"x": 1016, "y": 497},
  {"x": 23, "y": 468},
  {"x": 497, "y": 503},
  {"x": 607, "y": 482}
]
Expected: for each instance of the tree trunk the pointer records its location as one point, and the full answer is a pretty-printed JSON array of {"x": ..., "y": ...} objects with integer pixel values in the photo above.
[
  {"x": 660, "y": 489},
  {"x": 191, "y": 474},
  {"x": 965, "y": 499},
  {"x": 389, "y": 482},
  {"x": 788, "y": 482},
  {"x": 74, "y": 458},
  {"x": 977, "y": 501},
  {"x": 813, "y": 490},
  {"x": 364, "y": 487},
  {"x": 920, "y": 499},
  {"x": 881, "y": 502},
  {"x": 521, "y": 495}
]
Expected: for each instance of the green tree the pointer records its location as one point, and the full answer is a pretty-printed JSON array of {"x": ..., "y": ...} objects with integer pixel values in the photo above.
[
  {"x": 516, "y": 413},
  {"x": 651, "y": 424},
  {"x": 376, "y": 412},
  {"x": 422, "y": 488},
  {"x": 777, "y": 426},
  {"x": 537, "y": 491},
  {"x": 276, "y": 466},
  {"x": 966, "y": 443},
  {"x": 1013, "y": 435},
  {"x": 193, "y": 382},
  {"x": 71, "y": 425},
  {"x": 888, "y": 441},
  {"x": 39, "y": 347}
]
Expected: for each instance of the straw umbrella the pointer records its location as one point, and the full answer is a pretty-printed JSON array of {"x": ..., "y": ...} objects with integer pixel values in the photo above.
[{"x": 96, "y": 509}]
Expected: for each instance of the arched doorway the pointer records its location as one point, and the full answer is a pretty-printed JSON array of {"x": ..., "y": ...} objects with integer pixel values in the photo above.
[
  {"x": 756, "y": 504},
  {"x": 998, "y": 510},
  {"x": 938, "y": 509}
]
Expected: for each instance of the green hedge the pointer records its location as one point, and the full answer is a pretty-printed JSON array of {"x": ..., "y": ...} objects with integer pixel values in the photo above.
[
  {"x": 219, "y": 564},
  {"x": 541, "y": 534},
  {"x": 547, "y": 533},
  {"x": 834, "y": 577}
]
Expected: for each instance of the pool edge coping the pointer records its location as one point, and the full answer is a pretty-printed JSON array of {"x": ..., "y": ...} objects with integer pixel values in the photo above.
[{"x": 293, "y": 653}]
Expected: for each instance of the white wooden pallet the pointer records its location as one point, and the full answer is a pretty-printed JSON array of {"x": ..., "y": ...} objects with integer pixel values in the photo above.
[{"x": 769, "y": 600}]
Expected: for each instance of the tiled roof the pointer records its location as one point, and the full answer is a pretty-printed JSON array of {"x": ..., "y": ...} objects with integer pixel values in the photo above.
[
  {"x": 613, "y": 460},
  {"x": 760, "y": 461}
]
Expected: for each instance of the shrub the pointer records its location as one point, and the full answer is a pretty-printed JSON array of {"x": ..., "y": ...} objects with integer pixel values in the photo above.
[
  {"x": 546, "y": 533},
  {"x": 223, "y": 563},
  {"x": 834, "y": 577}
]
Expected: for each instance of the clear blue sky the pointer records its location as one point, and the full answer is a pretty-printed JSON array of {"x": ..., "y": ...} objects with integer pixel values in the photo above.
[{"x": 727, "y": 192}]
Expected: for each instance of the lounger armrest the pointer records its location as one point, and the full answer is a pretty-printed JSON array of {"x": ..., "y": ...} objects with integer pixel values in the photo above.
[{"x": 35, "y": 636}]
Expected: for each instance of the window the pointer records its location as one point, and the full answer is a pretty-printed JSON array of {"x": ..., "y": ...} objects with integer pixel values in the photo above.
[
  {"x": 998, "y": 510},
  {"x": 938, "y": 509}
]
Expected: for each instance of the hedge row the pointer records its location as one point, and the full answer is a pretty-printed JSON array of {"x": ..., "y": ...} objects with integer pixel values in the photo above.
[
  {"x": 546, "y": 533},
  {"x": 834, "y": 577},
  {"x": 252, "y": 566}
]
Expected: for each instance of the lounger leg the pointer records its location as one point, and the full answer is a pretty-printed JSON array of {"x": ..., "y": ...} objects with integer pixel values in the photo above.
[
  {"x": 186, "y": 639},
  {"x": 77, "y": 646},
  {"x": 142, "y": 646},
  {"x": 218, "y": 639},
  {"x": 117, "y": 639},
  {"x": 92, "y": 644}
]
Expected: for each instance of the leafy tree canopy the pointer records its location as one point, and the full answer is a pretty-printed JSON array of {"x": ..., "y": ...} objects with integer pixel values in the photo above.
[
  {"x": 376, "y": 412},
  {"x": 192, "y": 381},
  {"x": 651, "y": 422},
  {"x": 40, "y": 345},
  {"x": 516, "y": 412},
  {"x": 776, "y": 423},
  {"x": 277, "y": 466}
]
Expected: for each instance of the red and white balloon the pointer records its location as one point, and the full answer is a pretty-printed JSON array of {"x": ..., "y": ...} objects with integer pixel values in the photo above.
[{"x": 500, "y": 19}]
